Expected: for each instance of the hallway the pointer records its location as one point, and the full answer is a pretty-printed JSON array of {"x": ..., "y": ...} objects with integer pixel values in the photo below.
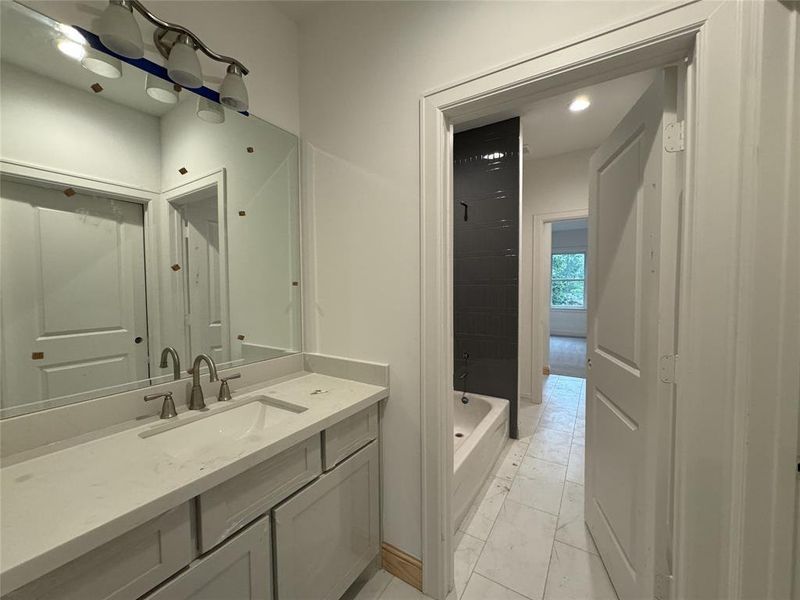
[{"x": 524, "y": 538}]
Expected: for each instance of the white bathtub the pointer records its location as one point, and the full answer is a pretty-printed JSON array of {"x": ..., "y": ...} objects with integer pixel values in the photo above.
[{"x": 480, "y": 432}]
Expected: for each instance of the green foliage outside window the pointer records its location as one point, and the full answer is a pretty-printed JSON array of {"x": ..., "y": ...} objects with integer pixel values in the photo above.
[{"x": 568, "y": 278}]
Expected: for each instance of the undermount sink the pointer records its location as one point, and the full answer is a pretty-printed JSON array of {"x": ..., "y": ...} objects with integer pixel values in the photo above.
[{"x": 189, "y": 435}]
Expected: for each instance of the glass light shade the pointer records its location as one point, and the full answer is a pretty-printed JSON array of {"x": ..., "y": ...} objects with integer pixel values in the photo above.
[
  {"x": 161, "y": 90},
  {"x": 209, "y": 111},
  {"x": 119, "y": 32},
  {"x": 183, "y": 65},
  {"x": 233, "y": 92},
  {"x": 102, "y": 64}
]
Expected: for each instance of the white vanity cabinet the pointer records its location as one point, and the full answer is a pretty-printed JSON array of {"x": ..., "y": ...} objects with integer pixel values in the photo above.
[
  {"x": 240, "y": 569},
  {"x": 328, "y": 533},
  {"x": 293, "y": 527},
  {"x": 124, "y": 568}
]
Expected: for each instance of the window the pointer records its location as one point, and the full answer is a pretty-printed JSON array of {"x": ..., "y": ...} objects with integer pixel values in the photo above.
[{"x": 568, "y": 280}]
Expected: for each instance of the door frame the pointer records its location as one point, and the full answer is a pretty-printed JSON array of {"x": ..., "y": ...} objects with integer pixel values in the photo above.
[
  {"x": 172, "y": 245},
  {"x": 33, "y": 174},
  {"x": 725, "y": 42},
  {"x": 540, "y": 303}
]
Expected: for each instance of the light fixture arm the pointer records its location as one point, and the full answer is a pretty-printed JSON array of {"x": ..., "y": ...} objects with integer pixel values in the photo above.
[{"x": 180, "y": 29}]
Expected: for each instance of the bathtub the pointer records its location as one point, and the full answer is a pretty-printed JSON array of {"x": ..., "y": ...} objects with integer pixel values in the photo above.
[{"x": 480, "y": 432}]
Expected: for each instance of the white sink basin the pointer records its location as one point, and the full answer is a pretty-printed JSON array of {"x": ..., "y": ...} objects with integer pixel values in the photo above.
[{"x": 191, "y": 435}]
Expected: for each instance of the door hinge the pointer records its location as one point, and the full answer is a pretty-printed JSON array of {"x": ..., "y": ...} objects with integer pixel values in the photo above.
[
  {"x": 662, "y": 586},
  {"x": 674, "y": 134},
  {"x": 667, "y": 366}
]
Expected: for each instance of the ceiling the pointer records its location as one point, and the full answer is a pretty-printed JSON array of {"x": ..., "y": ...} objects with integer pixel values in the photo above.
[
  {"x": 298, "y": 10},
  {"x": 549, "y": 128}
]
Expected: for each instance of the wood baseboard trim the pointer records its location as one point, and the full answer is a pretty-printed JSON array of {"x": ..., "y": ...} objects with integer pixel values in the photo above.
[
  {"x": 402, "y": 565},
  {"x": 546, "y": 370}
]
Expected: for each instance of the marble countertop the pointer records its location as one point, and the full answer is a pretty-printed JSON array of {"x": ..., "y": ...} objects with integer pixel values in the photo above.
[{"x": 58, "y": 506}]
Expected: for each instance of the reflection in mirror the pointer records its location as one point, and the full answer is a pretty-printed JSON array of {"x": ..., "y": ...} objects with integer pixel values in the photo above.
[{"x": 134, "y": 216}]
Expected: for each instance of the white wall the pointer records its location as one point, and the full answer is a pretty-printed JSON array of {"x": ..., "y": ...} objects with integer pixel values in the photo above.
[
  {"x": 549, "y": 185},
  {"x": 256, "y": 33},
  {"x": 80, "y": 133},
  {"x": 363, "y": 69},
  {"x": 569, "y": 321}
]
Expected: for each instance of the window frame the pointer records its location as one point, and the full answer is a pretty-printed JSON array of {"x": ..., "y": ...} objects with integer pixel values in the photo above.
[{"x": 583, "y": 279}]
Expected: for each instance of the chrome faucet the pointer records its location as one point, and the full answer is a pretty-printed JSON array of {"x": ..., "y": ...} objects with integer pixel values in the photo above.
[
  {"x": 176, "y": 361},
  {"x": 196, "y": 401}
]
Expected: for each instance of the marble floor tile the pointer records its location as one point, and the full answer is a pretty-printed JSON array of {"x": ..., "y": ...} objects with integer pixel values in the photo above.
[
  {"x": 468, "y": 549},
  {"x": 478, "y": 522},
  {"x": 369, "y": 590},
  {"x": 539, "y": 484},
  {"x": 510, "y": 459},
  {"x": 575, "y": 468},
  {"x": 579, "y": 433},
  {"x": 569, "y": 401},
  {"x": 550, "y": 445},
  {"x": 571, "y": 524},
  {"x": 557, "y": 417},
  {"x": 400, "y": 590},
  {"x": 480, "y": 588},
  {"x": 517, "y": 553},
  {"x": 577, "y": 575}
]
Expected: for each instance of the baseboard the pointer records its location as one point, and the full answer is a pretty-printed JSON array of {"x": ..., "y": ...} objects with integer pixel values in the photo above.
[
  {"x": 546, "y": 370},
  {"x": 402, "y": 565}
]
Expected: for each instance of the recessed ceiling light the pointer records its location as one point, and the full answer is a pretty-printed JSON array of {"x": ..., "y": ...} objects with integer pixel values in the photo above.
[
  {"x": 580, "y": 103},
  {"x": 71, "y": 48}
]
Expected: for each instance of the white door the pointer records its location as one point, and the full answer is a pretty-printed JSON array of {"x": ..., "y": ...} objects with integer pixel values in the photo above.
[
  {"x": 203, "y": 278},
  {"x": 631, "y": 289},
  {"x": 73, "y": 294}
]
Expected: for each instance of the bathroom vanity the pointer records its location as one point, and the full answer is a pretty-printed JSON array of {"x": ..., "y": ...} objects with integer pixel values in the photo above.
[{"x": 274, "y": 494}]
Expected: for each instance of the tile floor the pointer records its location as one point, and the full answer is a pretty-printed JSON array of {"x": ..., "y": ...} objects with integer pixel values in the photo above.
[{"x": 524, "y": 538}]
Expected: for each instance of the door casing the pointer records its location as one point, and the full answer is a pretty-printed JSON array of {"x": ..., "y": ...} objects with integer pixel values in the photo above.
[{"x": 723, "y": 43}]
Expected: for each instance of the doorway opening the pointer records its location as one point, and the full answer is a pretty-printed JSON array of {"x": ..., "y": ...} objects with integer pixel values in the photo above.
[{"x": 535, "y": 495}]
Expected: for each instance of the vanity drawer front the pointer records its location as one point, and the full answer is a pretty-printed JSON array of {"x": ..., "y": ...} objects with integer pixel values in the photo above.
[
  {"x": 231, "y": 505},
  {"x": 348, "y": 436},
  {"x": 124, "y": 568}
]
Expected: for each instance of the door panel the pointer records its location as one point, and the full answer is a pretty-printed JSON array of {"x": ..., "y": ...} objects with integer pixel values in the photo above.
[
  {"x": 624, "y": 287},
  {"x": 203, "y": 272},
  {"x": 73, "y": 293}
]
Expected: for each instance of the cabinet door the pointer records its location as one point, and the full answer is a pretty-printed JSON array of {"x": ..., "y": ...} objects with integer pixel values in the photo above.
[
  {"x": 240, "y": 569},
  {"x": 327, "y": 534}
]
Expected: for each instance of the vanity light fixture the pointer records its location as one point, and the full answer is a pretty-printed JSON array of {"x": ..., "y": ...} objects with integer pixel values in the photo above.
[
  {"x": 183, "y": 66},
  {"x": 161, "y": 90},
  {"x": 118, "y": 30},
  {"x": 233, "y": 92},
  {"x": 210, "y": 111},
  {"x": 119, "y": 33},
  {"x": 580, "y": 103},
  {"x": 102, "y": 64}
]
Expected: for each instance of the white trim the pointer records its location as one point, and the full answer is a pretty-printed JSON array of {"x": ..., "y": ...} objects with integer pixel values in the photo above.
[
  {"x": 540, "y": 302},
  {"x": 719, "y": 158}
]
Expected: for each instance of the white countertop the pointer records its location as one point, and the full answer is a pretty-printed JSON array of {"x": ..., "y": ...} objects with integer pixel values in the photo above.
[{"x": 56, "y": 507}]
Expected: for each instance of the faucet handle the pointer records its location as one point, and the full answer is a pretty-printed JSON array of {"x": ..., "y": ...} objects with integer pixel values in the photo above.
[
  {"x": 224, "y": 391},
  {"x": 168, "y": 408}
]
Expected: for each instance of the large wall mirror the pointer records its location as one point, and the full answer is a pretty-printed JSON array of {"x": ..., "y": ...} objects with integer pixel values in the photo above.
[{"x": 134, "y": 216}]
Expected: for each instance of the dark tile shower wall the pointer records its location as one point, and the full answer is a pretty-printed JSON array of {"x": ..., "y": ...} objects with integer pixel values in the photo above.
[{"x": 486, "y": 176}]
